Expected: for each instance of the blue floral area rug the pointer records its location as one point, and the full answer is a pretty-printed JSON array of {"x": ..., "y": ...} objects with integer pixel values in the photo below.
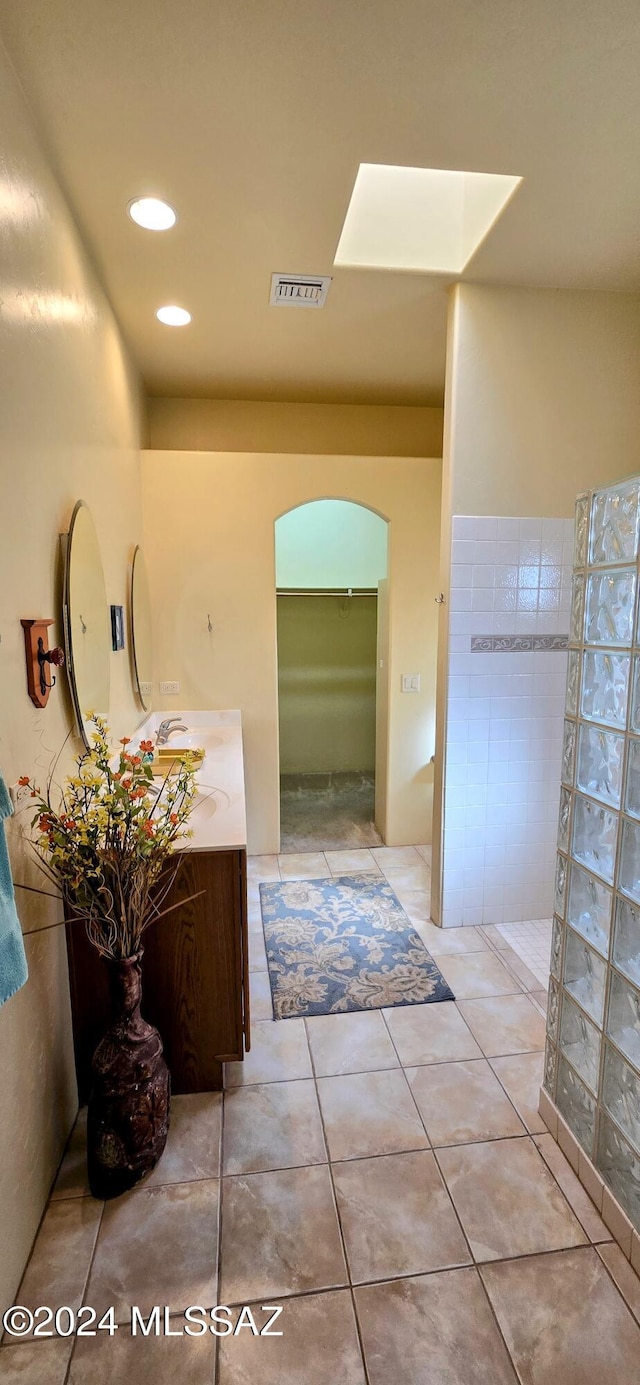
[{"x": 343, "y": 944}]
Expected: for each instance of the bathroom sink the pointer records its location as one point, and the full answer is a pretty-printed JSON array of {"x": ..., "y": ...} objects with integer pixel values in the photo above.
[
  {"x": 207, "y": 802},
  {"x": 202, "y": 739},
  {"x": 217, "y": 819}
]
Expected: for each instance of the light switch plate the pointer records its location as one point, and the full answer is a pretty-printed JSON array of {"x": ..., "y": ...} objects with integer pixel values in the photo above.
[
  {"x": 411, "y": 682},
  {"x": 169, "y": 689}
]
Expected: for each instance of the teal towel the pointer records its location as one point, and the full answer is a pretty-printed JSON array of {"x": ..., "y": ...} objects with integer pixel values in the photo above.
[{"x": 13, "y": 963}]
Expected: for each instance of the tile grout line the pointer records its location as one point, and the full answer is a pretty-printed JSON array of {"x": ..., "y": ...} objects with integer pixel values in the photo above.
[
  {"x": 28, "y": 1341},
  {"x": 487, "y": 1059},
  {"x": 338, "y": 1217},
  {"x": 527, "y": 1135},
  {"x": 542, "y": 957},
  {"x": 45, "y": 1210},
  {"x": 216, "y": 1359},
  {"x": 449, "y": 1269},
  {"x": 610, "y": 1238},
  {"x": 84, "y": 1290},
  {"x": 441, "y": 1269},
  {"x": 491, "y": 1061},
  {"x": 432, "y": 1148},
  {"x": 497, "y": 1322},
  {"x": 529, "y": 993},
  {"x": 360, "y": 1072},
  {"x": 402, "y": 1069},
  {"x": 612, "y": 1277},
  {"x": 505, "y": 961},
  {"x": 385, "y": 1154},
  {"x": 549, "y": 1170}
]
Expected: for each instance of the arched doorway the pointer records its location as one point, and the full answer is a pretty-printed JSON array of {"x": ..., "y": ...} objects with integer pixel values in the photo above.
[{"x": 331, "y": 582}]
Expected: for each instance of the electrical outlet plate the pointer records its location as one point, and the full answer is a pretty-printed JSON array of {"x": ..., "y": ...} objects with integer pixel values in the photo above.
[
  {"x": 169, "y": 689},
  {"x": 20, "y": 795}
]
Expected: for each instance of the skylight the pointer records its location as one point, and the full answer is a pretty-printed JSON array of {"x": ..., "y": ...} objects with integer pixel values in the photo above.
[{"x": 421, "y": 220}]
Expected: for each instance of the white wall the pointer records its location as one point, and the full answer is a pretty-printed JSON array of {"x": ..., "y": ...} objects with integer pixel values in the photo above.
[
  {"x": 330, "y": 543},
  {"x": 71, "y": 418},
  {"x": 210, "y": 540}
]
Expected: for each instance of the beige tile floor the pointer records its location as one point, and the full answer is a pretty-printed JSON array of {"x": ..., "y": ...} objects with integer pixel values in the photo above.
[{"x": 384, "y": 1177}]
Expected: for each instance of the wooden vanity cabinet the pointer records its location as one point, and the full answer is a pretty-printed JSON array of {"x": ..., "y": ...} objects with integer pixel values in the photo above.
[{"x": 195, "y": 972}]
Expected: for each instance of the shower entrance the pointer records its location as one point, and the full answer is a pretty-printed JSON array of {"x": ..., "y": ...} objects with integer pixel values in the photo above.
[{"x": 331, "y": 560}]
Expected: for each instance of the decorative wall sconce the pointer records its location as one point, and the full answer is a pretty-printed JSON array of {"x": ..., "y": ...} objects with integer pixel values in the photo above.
[{"x": 38, "y": 655}]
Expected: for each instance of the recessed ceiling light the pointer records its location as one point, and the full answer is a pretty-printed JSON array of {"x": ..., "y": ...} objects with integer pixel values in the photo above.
[
  {"x": 152, "y": 213},
  {"x": 421, "y": 220},
  {"x": 173, "y": 316}
]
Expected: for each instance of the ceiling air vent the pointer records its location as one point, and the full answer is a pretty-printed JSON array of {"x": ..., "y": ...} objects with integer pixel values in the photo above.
[{"x": 299, "y": 290}]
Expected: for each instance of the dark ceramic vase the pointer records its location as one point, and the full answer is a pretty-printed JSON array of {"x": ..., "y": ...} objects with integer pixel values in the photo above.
[{"x": 128, "y": 1116}]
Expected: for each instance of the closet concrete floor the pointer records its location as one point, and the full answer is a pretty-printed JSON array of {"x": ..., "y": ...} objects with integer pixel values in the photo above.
[
  {"x": 383, "y": 1177},
  {"x": 327, "y": 811}
]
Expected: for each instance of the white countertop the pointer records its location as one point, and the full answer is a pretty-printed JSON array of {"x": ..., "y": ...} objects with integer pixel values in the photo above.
[{"x": 218, "y": 820}]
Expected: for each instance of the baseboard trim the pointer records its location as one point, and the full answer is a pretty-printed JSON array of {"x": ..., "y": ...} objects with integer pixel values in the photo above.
[{"x": 622, "y": 1230}]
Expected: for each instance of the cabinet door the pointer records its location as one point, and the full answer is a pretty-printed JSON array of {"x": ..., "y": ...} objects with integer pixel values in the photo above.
[
  {"x": 195, "y": 976},
  {"x": 244, "y": 934},
  {"x": 193, "y": 971}
]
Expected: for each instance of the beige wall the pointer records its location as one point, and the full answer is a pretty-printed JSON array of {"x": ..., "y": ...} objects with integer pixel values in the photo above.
[
  {"x": 209, "y": 538},
  {"x": 70, "y": 427},
  {"x": 542, "y": 400},
  {"x": 327, "y": 683},
  {"x": 383, "y": 693},
  {"x": 236, "y": 425},
  {"x": 546, "y": 397},
  {"x": 442, "y": 657}
]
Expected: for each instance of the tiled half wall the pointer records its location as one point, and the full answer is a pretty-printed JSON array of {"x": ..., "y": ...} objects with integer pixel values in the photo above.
[{"x": 508, "y": 626}]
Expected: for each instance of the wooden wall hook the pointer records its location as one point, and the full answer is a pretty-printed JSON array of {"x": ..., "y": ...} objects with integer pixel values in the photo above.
[{"x": 38, "y": 655}]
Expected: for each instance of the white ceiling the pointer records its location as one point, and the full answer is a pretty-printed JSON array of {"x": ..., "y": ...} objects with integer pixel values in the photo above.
[{"x": 252, "y": 116}]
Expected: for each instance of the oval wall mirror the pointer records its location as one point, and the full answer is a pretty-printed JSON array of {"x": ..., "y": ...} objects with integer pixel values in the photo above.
[
  {"x": 141, "y": 629},
  {"x": 87, "y": 620}
]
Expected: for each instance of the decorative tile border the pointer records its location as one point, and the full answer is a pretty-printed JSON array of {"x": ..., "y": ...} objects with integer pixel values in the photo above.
[{"x": 517, "y": 644}]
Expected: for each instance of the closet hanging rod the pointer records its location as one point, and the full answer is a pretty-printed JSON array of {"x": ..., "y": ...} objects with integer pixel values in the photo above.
[{"x": 327, "y": 591}]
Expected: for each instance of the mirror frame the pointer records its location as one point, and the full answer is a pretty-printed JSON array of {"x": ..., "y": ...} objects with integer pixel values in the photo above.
[
  {"x": 144, "y": 699},
  {"x": 68, "y": 637}
]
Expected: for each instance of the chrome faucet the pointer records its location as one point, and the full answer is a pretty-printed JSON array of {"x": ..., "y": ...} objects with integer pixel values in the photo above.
[{"x": 167, "y": 728}]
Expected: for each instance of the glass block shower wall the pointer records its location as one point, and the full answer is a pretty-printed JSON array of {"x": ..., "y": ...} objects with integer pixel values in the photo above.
[{"x": 592, "y": 1067}]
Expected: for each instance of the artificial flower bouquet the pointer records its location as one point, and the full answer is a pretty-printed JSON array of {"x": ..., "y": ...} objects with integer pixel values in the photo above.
[{"x": 107, "y": 839}]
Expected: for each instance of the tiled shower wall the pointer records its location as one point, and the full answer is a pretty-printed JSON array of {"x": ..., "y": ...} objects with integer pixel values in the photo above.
[{"x": 508, "y": 626}]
